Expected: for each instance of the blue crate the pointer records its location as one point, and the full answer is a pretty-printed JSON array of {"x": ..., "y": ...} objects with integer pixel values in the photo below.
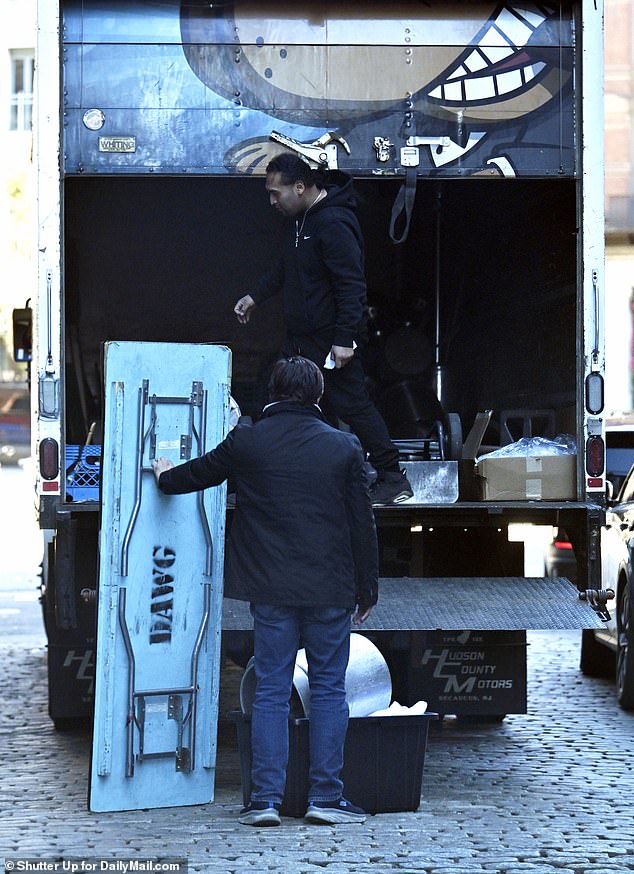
[{"x": 82, "y": 480}]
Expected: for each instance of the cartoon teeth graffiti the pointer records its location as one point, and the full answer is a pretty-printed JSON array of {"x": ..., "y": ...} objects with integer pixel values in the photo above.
[
  {"x": 497, "y": 69},
  {"x": 492, "y": 78}
]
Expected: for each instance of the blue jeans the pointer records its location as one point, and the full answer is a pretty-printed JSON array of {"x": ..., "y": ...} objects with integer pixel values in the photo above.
[{"x": 279, "y": 633}]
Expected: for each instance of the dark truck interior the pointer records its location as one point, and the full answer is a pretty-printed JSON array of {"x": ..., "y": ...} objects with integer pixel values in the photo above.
[
  {"x": 482, "y": 292},
  {"x": 489, "y": 268}
]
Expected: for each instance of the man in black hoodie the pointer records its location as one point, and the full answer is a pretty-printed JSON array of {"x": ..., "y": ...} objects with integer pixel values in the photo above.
[{"x": 321, "y": 277}]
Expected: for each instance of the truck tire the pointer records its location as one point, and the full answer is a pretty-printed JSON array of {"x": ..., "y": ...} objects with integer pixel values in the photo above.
[
  {"x": 596, "y": 660},
  {"x": 70, "y": 633},
  {"x": 45, "y": 593},
  {"x": 625, "y": 650}
]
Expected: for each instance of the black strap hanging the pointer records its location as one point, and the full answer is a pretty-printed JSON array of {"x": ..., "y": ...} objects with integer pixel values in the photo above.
[{"x": 404, "y": 204}]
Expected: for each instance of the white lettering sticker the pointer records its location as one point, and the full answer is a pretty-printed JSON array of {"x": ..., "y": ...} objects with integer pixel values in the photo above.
[
  {"x": 533, "y": 465},
  {"x": 534, "y": 489},
  {"x": 169, "y": 444}
]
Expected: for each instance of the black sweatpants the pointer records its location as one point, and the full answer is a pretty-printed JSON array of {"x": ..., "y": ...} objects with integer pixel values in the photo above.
[{"x": 346, "y": 397}]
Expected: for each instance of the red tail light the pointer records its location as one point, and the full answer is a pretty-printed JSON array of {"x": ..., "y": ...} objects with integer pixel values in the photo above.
[
  {"x": 595, "y": 456},
  {"x": 49, "y": 458}
]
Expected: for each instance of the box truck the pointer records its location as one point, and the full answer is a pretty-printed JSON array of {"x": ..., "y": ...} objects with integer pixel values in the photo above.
[{"x": 473, "y": 131}]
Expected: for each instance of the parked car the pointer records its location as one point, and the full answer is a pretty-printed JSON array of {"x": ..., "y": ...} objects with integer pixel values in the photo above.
[
  {"x": 619, "y": 457},
  {"x": 15, "y": 424},
  {"x": 609, "y": 651},
  {"x": 619, "y": 450},
  {"x": 560, "y": 557}
]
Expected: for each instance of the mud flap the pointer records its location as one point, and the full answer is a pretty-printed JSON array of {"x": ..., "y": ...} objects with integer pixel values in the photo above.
[{"x": 160, "y": 580}]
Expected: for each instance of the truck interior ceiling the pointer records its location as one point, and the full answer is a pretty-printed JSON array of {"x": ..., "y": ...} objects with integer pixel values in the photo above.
[{"x": 482, "y": 292}]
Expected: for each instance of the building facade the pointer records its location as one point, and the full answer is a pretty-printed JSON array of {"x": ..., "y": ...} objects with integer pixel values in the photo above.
[
  {"x": 17, "y": 199},
  {"x": 619, "y": 203}
]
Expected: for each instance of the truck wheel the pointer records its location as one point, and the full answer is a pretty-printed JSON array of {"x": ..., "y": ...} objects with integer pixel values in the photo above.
[
  {"x": 596, "y": 660},
  {"x": 43, "y": 593},
  {"x": 46, "y": 588},
  {"x": 625, "y": 651}
]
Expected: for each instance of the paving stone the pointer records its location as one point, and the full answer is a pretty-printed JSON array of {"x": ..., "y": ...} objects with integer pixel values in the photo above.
[
  {"x": 598, "y": 866},
  {"x": 536, "y": 869},
  {"x": 612, "y": 869},
  {"x": 452, "y": 869}
]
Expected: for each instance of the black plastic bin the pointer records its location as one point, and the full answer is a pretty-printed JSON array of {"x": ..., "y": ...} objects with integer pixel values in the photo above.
[{"x": 383, "y": 762}]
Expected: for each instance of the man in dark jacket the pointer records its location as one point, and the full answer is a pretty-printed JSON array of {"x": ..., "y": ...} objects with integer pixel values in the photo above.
[
  {"x": 303, "y": 550},
  {"x": 321, "y": 277}
]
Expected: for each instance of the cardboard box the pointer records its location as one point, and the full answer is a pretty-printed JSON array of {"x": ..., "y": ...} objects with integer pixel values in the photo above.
[{"x": 528, "y": 478}]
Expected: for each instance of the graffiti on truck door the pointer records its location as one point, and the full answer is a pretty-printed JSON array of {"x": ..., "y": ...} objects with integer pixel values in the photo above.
[{"x": 493, "y": 80}]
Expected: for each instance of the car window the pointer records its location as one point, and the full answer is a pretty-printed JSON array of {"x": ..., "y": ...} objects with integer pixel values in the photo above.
[
  {"x": 627, "y": 492},
  {"x": 16, "y": 402},
  {"x": 21, "y": 404}
]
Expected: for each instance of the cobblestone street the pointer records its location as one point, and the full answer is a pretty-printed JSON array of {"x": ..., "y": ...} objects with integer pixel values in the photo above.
[{"x": 550, "y": 792}]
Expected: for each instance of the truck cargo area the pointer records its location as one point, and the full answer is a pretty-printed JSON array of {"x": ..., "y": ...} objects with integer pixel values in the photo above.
[
  {"x": 477, "y": 305},
  {"x": 476, "y": 310}
]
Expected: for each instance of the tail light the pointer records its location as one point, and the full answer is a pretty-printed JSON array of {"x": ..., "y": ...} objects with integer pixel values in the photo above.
[
  {"x": 49, "y": 458},
  {"x": 594, "y": 393},
  {"x": 595, "y": 456}
]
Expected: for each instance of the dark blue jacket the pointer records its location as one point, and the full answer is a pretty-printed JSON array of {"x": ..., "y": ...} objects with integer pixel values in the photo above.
[
  {"x": 303, "y": 531},
  {"x": 322, "y": 277}
]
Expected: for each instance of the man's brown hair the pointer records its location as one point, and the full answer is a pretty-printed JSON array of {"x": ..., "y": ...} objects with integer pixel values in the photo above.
[{"x": 296, "y": 379}]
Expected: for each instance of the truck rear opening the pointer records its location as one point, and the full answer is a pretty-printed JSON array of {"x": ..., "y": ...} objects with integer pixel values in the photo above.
[{"x": 166, "y": 259}]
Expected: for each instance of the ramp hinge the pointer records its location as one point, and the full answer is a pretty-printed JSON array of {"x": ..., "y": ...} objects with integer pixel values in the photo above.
[{"x": 597, "y": 599}]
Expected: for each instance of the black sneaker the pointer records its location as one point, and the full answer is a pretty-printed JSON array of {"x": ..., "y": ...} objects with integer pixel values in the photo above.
[
  {"x": 260, "y": 813},
  {"x": 391, "y": 487},
  {"x": 333, "y": 812}
]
